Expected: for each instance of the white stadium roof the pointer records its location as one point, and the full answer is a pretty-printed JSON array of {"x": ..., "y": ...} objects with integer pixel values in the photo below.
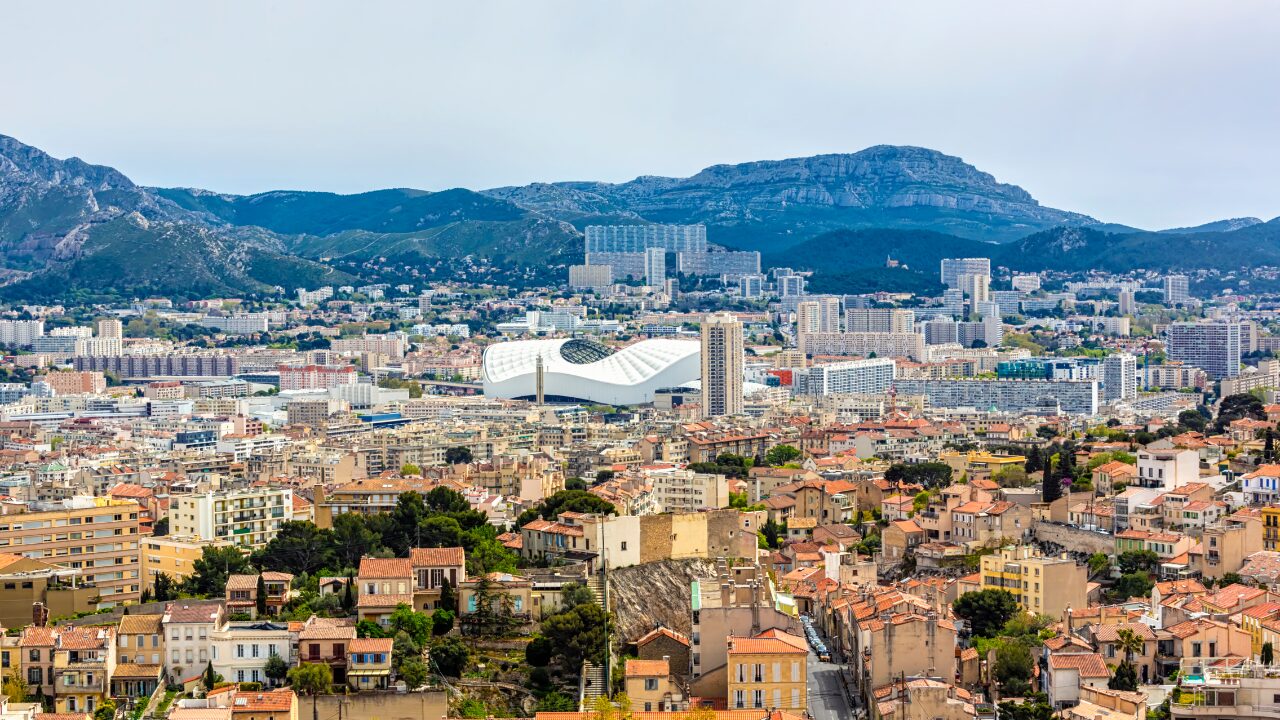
[{"x": 586, "y": 370}]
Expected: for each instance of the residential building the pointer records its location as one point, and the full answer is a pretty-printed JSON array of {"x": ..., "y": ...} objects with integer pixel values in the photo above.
[
  {"x": 954, "y": 268},
  {"x": 172, "y": 555},
  {"x": 248, "y": 518},
  {"x": 722, "y": 365},
  {"x": 242, "y": 593},
  {"x": 1177, "y": 290},
  {"x": 384, "y": 584},
  {"x": 240, "y": 650},
  {"x": 316, "y": 377},
  {"x": 1043, "y": 585},
  {"x": 433, "y": 568},
  {"x": 328, "y": 641},
  {"x": 879, "y": 320},
  {"x": 96, "y": 537},
  {"x": 655, "y": 267},
  {"x": 768, "y": 670},
  {"x": 650, "y": 686},
  {"x": 84, "y": 659},
  {"x": 369, "y": 663},
  {"x": 188, "y": 626},
  {"x": 868, "y": 377},
  {"x": 1213, "y": 346},
  {"x": 864, "y": 344},
  {"x": 1053, "y": 397},
  {"x": 1120, "y": 377},
  {"x": 25, "y": 583}
]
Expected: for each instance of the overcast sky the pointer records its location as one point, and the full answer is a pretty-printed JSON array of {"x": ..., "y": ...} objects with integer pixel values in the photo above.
[{"x": 1153, "y": 114}]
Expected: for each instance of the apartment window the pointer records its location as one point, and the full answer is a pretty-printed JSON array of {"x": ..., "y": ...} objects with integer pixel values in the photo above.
[
  {"x": 795, "y": 672},
  {"x": 795, "y": 698},
  {"x": 757, "y": 698},
  {"x": 651, "y": 683},
  {"x": 739, "y": 699},
  {"x": 240, "y": 652},
  {"x": 34, "y": 656}
]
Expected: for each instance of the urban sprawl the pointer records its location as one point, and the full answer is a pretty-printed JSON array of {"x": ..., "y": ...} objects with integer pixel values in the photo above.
[{"x": 675, "y": 485}]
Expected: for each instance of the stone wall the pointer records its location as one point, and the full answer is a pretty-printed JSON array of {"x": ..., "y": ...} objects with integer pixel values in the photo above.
[
  {"x": 380, "y": 706},
  {"x": 1074, "y": 540}
]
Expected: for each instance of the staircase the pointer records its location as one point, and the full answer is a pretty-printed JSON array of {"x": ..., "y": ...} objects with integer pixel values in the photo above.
[{"x": 595, "y": 677}]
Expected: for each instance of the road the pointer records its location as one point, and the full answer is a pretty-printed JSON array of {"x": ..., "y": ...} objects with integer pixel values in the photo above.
[{"x": 827, "y": 697}]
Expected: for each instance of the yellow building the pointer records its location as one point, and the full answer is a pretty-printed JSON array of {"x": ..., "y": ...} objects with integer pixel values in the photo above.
[
  {"x": 174, "y": 556},
  {"x": 1042, "y": 585},
  {"x": 83, "y": 662},
  {"x": 25, "y": 582},
  {"x": 767, "y": 671},
  {"x": 1271, "y": 527},
  {"x": 100, "y": 540},
  {"x": 975, "y": 464}
]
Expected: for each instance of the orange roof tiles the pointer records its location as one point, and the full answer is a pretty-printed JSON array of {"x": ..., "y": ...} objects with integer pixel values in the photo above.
[{"x": 385, "y": 568}]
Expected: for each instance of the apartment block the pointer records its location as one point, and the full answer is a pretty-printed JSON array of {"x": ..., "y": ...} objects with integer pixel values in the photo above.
[
  {"x": 1043, "y": 585},
  {"x": 98, "y": 540},
  {"x": 248, "y": 519}
]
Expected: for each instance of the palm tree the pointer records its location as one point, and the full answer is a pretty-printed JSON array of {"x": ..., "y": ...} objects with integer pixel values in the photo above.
[{"x": 1129, "y": 643}]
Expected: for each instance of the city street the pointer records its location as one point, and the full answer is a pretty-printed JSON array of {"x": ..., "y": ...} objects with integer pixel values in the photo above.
[{"x": 827, "y": 697}]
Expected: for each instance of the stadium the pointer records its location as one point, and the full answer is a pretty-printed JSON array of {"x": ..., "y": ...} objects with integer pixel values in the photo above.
[{"x": 585, "y": 371}]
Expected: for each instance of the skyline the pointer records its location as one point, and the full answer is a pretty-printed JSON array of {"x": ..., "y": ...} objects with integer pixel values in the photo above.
[{"x": 1154, "y": 115}]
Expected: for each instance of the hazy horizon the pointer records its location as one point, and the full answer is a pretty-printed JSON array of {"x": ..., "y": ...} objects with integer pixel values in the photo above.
[{"x": 1151, "y": 114}]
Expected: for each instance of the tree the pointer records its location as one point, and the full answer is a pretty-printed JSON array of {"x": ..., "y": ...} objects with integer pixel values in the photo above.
[
  {"x": 1013, "y": 667},
  {"x": 1098, "y": 563},
  {"x": 566, "y": 501},
  {"x": 312, "y": 679},
  {"x": 929, "y": 474},
  {"x": 986, "y": 611},
  {"x": 441, "y": 621},
  {"x": 161, "y": 527},
  {"x": 450, "y": 655},
  {"x": 446, "y": 500},
  {"x": 579, "y": 634},
  {"x": 276, "y": 669},
  {"x": 408, "y": 469},
  {"x": 349, "y": 595},
  {"x": 1269, "y": 446},
  {"x": 369, "y": 629},
  {"x": 490, "y": 556},
  {"x": 458, "y": 455},
  {"x": 574, "y": 594},
  {"x": 351, "y": 539},
  {"x": 1267, "y": 654},
  {"x": 1136, "y": 584},
  {"x": 164, "y": 588},
  {"x": 406, "y": 519},
  {"x": 210, "y": 678},
  {"x": 299, "y": 548},
  {"x": 1192, "y": 420},
  {"x": 1124, "y": 678},
  {"x": 780, "y": 455},
  {"x": 575, "y": 483},
  {"x": 413, "y": 672},
  {"x": 439, "y": 531},
  {"x": 1237, "y": 407},
  {"x": 1050, "y": 487},
  {"x": 539, "y": 651},
  {"x": 1128, "y": 642},
  {"x": 16, "y": 688},
  {"x": 417, "y": 625},
  {"x": 1011, "y": 476},
  {"x": 209, "y": 573},
  {"x": 448, "y": 599},
  {"x": 261, "y": 601},
  {"x": 1035, "y": 461},
  {"x": 106, "y": 710},
  {"x": 1032, "y": 708},
  {"x": 1131, "y": 561},
  {"x": 772, "y": 532}
]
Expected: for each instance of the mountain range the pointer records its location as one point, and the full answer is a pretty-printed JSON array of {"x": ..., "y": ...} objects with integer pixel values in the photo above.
[{"x": 73, "y": 230}]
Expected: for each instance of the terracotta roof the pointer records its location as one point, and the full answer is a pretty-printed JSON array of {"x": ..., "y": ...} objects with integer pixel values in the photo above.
[
  {"x": 380, "y": 601},
  {"x": 1089, "y": 665},
  {"x": 662, "y": 632},
  {"x": 192, "y": 612},
  {"x": 242, "y": 582},
  {"x": 134, "y": 670},
  {"x": 1111, "y": 632},
  {"x": 421, "y": 557},
  {"x": 141, "y": 624},
  {"x": 273, "y": 701},
  {"x": 762, "y": 646},
  {"x": 647, "y": 668},
  {"x": 385, "y": 568},
  {"x": 36, "y": 636},
  {"x": 370, "y": 645},
  {"x": 88, "y": 638}
]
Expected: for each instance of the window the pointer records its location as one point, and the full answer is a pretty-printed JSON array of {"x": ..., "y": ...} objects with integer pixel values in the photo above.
[
  {"x": 739, "y": 699},
  {"x": 240, "y": 653},
  {"x": 757, "y": 698},
  {"x": 651, "y": 683}
]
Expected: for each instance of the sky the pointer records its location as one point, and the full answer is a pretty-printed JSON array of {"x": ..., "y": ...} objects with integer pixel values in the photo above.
[{"x": 1152, "y": 114}]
